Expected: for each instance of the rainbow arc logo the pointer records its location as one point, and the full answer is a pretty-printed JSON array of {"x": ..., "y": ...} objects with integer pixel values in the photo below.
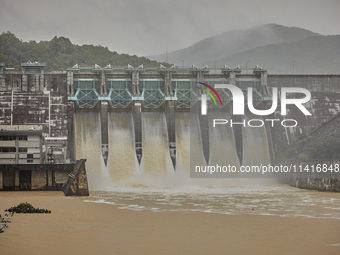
[
  {"x": 209, "y": 93},
  {"x": 204, "y": 97}
]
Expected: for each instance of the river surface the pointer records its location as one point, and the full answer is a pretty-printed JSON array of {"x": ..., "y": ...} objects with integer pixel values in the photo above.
[{"x": 278, "y": 200}]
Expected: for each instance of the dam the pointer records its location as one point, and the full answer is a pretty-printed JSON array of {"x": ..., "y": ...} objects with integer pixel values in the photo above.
[{"x": 143, "y": 120}]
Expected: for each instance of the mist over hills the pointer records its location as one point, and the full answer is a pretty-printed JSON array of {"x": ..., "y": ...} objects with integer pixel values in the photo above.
[
  {"x": 277, "y": 48},
  {"x": 312, "y": 55}
]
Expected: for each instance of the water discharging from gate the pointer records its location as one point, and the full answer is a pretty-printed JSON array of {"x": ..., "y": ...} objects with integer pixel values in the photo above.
[
  {"x": 222, "y": 143},
  {"x": 255, "y": 144},
  {"x": 88, "y": 146},
  {"x": 156, "y": 167},
  {"x": 156, "y": 156},
  {"x": 122, "y": 160},
  {"x": 155, "y": 186},
  {"x": 182, "y": 127}
]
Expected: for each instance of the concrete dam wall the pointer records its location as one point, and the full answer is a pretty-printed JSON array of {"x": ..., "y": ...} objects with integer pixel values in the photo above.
[{"x": 127, "y": 121}]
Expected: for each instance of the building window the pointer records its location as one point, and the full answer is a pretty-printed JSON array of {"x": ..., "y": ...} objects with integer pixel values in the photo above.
[
  {"x": 22, "y": 149},
  {"x": 29, "y": 155},
  {"x": 7, "y": 138},
  {"x": 7, "y": 149},
  {"x": 23, "y": 137}
]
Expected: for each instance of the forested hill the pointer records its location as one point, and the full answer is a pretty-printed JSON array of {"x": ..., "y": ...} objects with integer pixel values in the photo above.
[{"x": 60, "y": 54}]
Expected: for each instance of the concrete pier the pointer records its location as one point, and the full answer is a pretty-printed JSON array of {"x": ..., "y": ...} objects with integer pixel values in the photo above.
[
  {"x": 45, "y": 177},
  {"x": 104, "y": 130}
]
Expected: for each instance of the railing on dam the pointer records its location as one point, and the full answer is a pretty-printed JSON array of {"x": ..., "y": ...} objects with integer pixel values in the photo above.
[
  {"x": 86, "y": 93},
  {"x": 119, "y": 92},
  {"x": 153, "y": 87}
]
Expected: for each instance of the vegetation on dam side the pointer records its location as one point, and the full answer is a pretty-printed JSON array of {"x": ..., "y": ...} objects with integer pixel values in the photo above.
[
  {"x": 312, "y": 148},
  {"x": 322, "y": 144}
]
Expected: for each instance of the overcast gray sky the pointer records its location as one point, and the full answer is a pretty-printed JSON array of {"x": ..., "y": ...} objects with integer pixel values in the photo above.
[{"x": 145, "y": 27}]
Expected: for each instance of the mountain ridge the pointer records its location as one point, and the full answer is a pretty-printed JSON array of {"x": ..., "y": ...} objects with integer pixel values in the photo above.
[
  {"x": 234, "y": 41},
  {"x": 312, "y": 55}
]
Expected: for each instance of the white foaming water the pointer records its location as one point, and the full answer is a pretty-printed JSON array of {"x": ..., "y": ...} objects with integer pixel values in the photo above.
[
  {"x": 196, "y": 145},
  {"x": 222, "y": 143},
  {"x": 122, "y": 160},
  {"x": 255, "y": 144},
  {"x": 156, "y": 168},
  {"x": 156, "y": 156},
  {"x": 88, "y": 146},
  {"x": 158, "y": 188},
  {"x": 182, "y": 128},
  {"x": 276, "y": 200}
]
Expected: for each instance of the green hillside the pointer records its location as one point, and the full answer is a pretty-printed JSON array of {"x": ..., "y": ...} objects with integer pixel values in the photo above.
[{"x": 60, "y": 54}]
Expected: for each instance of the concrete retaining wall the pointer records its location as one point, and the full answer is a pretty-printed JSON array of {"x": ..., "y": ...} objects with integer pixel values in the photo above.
[
  {"x": 45, "y": 177},
  {"x": 329, "y": 181}
]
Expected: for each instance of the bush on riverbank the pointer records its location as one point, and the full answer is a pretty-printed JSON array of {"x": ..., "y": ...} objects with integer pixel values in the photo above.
[{"x": 26, "y": 208}]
